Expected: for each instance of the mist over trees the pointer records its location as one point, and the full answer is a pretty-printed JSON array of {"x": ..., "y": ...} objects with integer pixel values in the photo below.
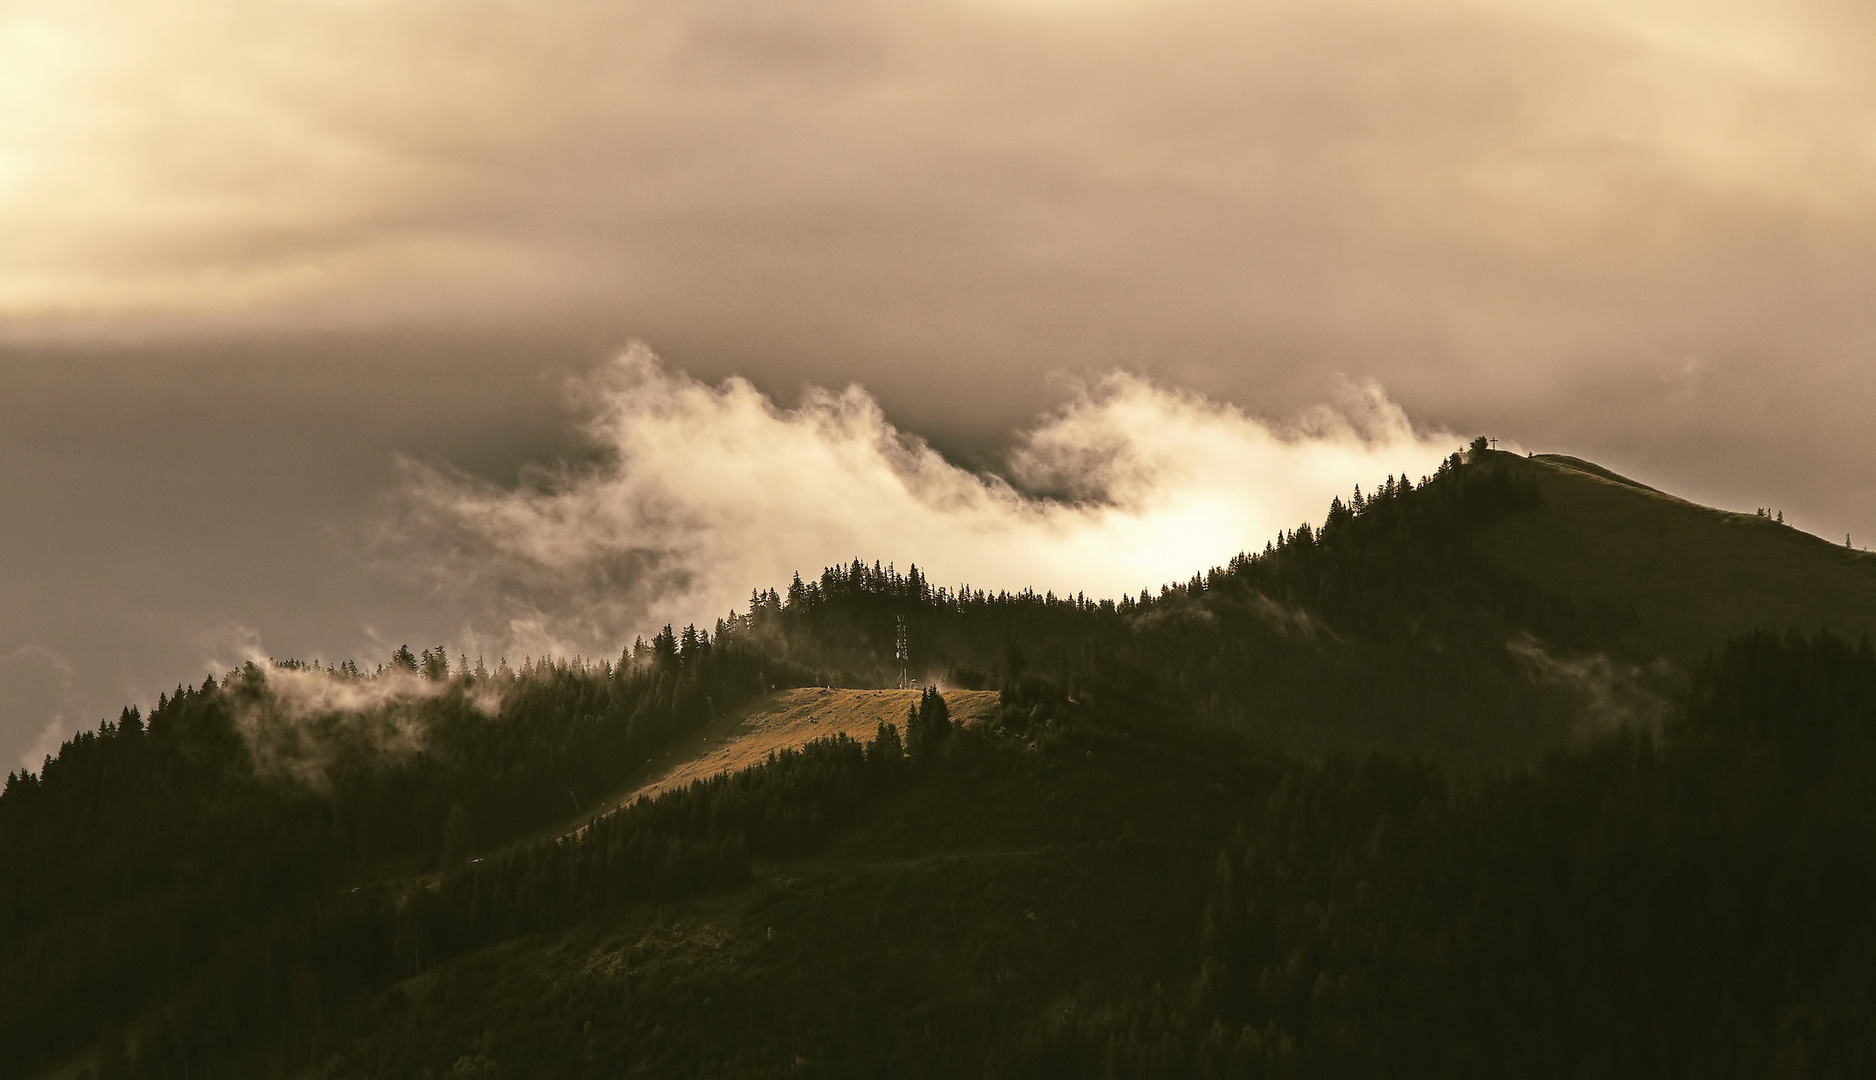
[{"x": 1332, "y": 808}]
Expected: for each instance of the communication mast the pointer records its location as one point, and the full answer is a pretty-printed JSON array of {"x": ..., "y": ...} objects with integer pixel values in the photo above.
[{"x": 903, "y": 653}]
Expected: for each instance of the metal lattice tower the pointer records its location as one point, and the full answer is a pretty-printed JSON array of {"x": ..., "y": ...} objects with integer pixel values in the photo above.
[{"x": 902, "y": 652}]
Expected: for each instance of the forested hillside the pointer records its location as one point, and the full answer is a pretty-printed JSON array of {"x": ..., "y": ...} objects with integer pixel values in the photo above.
[
  {"x": 1376, "y": 799},
  {"x": 149, "y": 848}
]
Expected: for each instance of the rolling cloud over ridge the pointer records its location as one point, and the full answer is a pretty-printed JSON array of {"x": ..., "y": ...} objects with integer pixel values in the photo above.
[
  {"x": 701, "y": 492},
  {"x": 254, "y": 253}
]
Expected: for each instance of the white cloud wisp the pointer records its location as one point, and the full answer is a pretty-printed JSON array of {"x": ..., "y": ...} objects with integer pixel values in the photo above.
[{"x": 702, "y": 492}]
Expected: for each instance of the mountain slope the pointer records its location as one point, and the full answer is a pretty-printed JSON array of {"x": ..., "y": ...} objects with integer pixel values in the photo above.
[
  {"x": 1285, "y": 818},
  {"x": 1694, "y": 576},
  {"x": 1159, "y": 901}
]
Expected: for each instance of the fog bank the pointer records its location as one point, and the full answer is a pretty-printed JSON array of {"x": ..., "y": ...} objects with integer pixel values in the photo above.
[{"x": 700, "y": 493}]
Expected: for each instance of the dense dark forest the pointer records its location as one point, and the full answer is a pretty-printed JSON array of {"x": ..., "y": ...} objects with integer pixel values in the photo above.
[
  {"x": 1359, "y": 803},
  {"x": 148, "y": 847},
  {"x": 1694, "y": 904}
]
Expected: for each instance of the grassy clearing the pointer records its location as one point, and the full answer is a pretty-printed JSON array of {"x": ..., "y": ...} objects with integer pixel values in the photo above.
[{"x": 784, "y": 720}]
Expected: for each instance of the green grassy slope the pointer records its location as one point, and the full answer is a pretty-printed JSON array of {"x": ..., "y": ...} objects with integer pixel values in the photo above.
[{"x": 1694, "y": 575}]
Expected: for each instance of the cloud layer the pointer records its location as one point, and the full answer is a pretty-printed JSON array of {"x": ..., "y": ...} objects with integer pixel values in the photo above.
[
  {"x": 1641, "y": 231},
  {"x": 700, "y": 493},
  {"x": 1452, "y": 180}
]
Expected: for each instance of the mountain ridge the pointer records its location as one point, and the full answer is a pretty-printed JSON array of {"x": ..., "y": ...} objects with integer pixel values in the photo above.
[
  {"x": 1163, "y": 845},
  {"x": 1696, "y": 575}
]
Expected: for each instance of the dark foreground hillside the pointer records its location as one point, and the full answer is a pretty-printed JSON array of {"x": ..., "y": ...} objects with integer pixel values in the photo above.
[
  {"x": 1095, "y": 897},
  {"x": 1115, "y": 904},
  {"x": 1380, "y": 800}
]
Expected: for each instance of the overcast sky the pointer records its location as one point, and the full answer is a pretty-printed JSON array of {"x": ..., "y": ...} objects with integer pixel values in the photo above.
[{"x": 288, "y": 291}]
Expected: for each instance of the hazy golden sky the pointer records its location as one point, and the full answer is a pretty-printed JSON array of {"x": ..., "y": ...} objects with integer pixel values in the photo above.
[
  {"x": 1640, "y": 232},
  {"x": 1492, "y": 182},
  {"x": 1482, "y": 205}
]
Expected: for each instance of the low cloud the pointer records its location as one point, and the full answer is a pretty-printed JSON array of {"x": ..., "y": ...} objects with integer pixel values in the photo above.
[
  {"x": 1290, "y": 620},
  {"x": 299, "y": 722},
  {"x": 1642, "y": 233},
  {"x": 56, "y": 732},
  {"x": 1614, "y": 694},
  {"x": 36, "y": 694},
  {"x": 699, "y": 493}
]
